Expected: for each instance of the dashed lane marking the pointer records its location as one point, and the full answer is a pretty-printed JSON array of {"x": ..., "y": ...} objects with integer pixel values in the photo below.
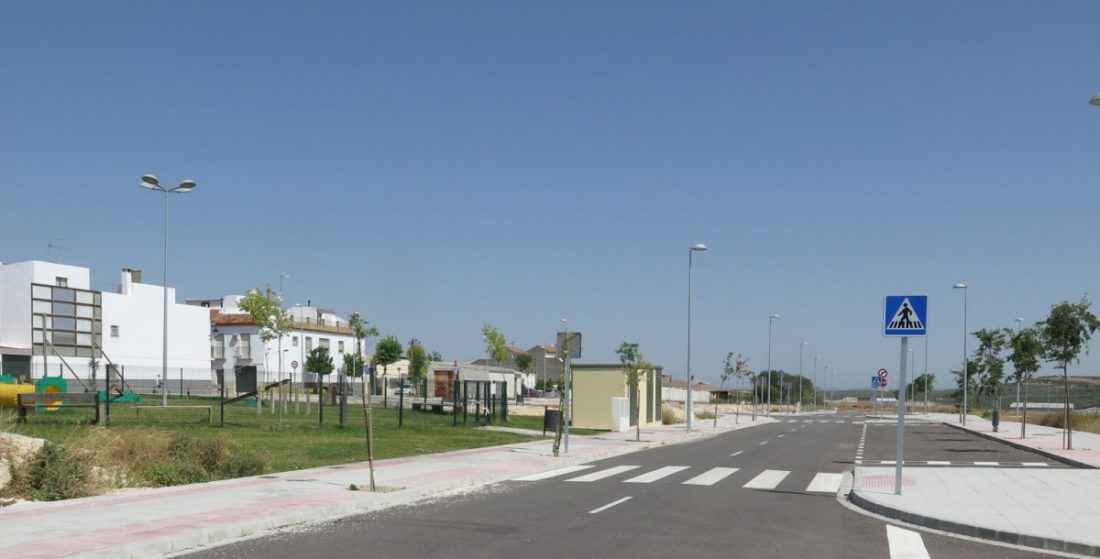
[{"x": 609, "y": 505}]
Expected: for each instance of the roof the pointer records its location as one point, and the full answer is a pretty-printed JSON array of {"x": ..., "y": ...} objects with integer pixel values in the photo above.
[{"x": 235, "y": 319}]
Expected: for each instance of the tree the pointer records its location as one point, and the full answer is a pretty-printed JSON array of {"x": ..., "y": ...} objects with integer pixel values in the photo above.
[
  {"x": 731, "y": 370},
  {"x": 266, "y": 309},
  {"x": 495, "y": 345},
  {"x": 972, "y": 377},
  {"x": 990, "y": 364},
  {"x": 319, "y": 362},
  {"x": 562, "y": 403},
  {"x": 436, "y": 356},
  {"x": 523, "y": 362},
  {"x": 634, "y": 369},
  {"x": 362, "y": 330},
  {"x": 418, "y": 364},
  {"x": 1027, "y": 349},
  {"x": 387, "y": 352},
  {"x": 1066, "y": 332}
]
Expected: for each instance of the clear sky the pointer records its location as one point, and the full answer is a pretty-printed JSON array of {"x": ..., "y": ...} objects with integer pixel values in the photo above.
[{"x": 440, "y": 165}]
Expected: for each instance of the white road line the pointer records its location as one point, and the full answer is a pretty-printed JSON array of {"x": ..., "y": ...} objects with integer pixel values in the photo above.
[
  {"x": 657, "y": 474},
  {"x": 1035, "y": 464},
  {"x": 937, "y": 463},
  {"x": 609, "y": 505},
  {"x": 888, "y": 462},
  {"x": 825, "y": 483},
  {"x": 736, "y": 453},
  {"x": 552, "y": 473},
  {"x": 762, "y": 443},
  {"x": 780, "y": 435},
  {"x": 905, "y": 544},
  {"x": 987, "y": 463},
  {"x": 596, "y": 476},
  {"x": 807, "y": 421},
  {"x": 767, "y": 479},
  {"x": 710, "y": 477},
  {"x": 839, "y": 421}
]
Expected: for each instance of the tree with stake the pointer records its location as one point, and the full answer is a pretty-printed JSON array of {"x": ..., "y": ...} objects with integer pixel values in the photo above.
[
  {"x": 418, "y": 365},
  {"x": 387, "y": 352},
  {"x": 319, "y": 362},
  {"x": 495, "y": 345},
  {"x": 523, "y": 362},
  {"x": 1065, "y": 333},
  {"x": 562, "y": 408},
  {"x": 991, "y": 367},
  {"x": 633, "y": 370},
  {"x": 362, "y": 330},
  {"x": 1027, "y": 349},
  {"x": 266, "y": 310}
]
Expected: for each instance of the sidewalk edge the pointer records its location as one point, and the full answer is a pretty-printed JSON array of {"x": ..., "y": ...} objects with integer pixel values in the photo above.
[{"x": 1021, "y": 446}]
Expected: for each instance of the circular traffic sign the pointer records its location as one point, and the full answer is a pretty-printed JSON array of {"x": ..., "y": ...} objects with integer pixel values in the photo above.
[
  {"x": 294, "y": 364},
  {"x": 882, "y": 373}
]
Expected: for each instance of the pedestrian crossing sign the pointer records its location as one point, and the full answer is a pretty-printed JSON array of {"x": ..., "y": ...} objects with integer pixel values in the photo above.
[{"x": 905, "y": 315}]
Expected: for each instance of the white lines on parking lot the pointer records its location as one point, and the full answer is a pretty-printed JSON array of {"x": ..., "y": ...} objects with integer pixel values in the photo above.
[
  {"x": 657, "y": 474},
  {"x": 596, "y": 476},
  {"x": 780, "y": 436},
  {"x": 609, "y": 505},
  {"x": 1032, "y": 464},
  {"x": 767, "y": 479},
  {"x": 905, "y": 544},
  {"x": 710, "y": 477},
  {"x": 825, "y": 483},
  {"x": 736, "y": 453},
  {"x": 552, "y": 473},
  {"x": 762, "y": 443}
]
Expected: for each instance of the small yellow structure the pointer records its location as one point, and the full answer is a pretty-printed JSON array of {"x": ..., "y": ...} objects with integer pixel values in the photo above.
[{"x": 595, "y": 386}]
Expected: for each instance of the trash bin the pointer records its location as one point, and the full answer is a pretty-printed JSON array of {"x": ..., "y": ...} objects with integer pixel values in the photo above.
[
  {"x": 550, "y": 420},
  {"x": 996, "y": 419}
]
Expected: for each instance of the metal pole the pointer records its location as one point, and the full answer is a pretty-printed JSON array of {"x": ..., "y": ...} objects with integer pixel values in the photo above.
[
  {"x": 815, "y": 381},
  {"x": 687, "y": 391},
  {"x": 164, "y": 331},
  {"x": 900, "y": 458},
  {"x": 800, "y": 348},
  {"x": 966, "y": 370},
  {"x": 926, "y": 374},
  {"x": 771, "y": 320},
  {"x": 1019, "y": 327}
]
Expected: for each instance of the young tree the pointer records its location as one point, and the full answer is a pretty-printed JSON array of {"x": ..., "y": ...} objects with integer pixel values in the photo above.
[
  {"x": 386, "y": 352},
  {"x": 1065, "y": 333},
  {"x": 362, "y": 330},
  {"x": 634, "y": 369},
  {"x": 1027, "y": 349},
  {"x": 495, "y": 345},
  {"x": 266, "y": 309},
  {"x": 319, "y": 362},
  {"x": 731, "y": 370},
  {"x": 436, "y": 356},
  {"x": 418, "y": 364},
  {"x": 562, "y": 403},
  {"x": 990, "y": 364}
]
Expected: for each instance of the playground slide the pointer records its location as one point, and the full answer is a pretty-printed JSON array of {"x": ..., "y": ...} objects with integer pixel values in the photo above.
[{"x": 9, "y": 394}]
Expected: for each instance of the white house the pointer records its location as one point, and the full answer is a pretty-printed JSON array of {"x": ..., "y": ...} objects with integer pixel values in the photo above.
[
  {"x": 50, "y": 317},
  {"x": 676, "y": 391}
]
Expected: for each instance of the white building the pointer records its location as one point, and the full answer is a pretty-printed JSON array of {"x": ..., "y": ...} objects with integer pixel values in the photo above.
[{"x": 50, "y": 315}]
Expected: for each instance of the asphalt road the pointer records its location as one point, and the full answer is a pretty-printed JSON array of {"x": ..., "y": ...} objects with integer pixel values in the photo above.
[{"x": 635, "y": 512}]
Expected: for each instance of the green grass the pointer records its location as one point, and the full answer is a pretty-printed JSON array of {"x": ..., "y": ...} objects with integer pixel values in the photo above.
[{"x": 301, "y": 442}]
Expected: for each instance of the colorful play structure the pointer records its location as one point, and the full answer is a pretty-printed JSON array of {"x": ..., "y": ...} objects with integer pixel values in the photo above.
[{"x": 10, "y": 390}]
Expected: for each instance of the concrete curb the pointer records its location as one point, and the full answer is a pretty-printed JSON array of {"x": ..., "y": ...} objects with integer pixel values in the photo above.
[
  {"x": 1021, "y": 446},
  {"x": 1048, "y": 544}
]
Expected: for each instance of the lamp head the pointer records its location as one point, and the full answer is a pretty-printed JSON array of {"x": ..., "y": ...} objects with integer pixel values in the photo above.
[
  {"x": 186, "y": 186},
  {"x": 776, "y": 316},
  {"x": 1095, "y": 101},
  {"x": 960, "y": 286},
  {"x": 150, "y": 181},
  {"x": 698, "y": 247}
]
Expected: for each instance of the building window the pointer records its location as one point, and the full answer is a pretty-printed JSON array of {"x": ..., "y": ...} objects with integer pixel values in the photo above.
[
  {"x": 324, "y": 342},
  {"x": 217, "y": 349},
  {"x": 294, "y": 341},
  {"x": 61, "y": 282},
  {"x": 340, "y": 346},
  {"x": 114, "y": 330},
  {"x": 309, "y": 343},
  {"x": 244, "y": 346}
]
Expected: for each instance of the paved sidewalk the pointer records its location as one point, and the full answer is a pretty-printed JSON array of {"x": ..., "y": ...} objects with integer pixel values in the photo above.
[
  {"x": 159, "y": 522},
  {"x": 1055, "y": 509}
]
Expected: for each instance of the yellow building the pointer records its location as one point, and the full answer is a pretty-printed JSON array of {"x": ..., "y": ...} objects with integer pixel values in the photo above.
[{"x": 594, "y": 387}]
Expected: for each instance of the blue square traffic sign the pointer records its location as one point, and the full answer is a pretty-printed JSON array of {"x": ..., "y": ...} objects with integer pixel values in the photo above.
[{"x": 905, "y": 315}]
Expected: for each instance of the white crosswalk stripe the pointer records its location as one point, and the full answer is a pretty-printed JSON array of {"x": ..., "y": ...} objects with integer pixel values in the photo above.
[
  {"x": 825, "y": 483},
  {"x": 711, "y": 476},
  {"x": 657, "y": 474},
  {"x": 768, "y": 479},
  {"x": 552, "y": 473},
  {"x": 905, "y": 544},
  {"x": 596, "y": 476},
  {"x": 1030, "y": 464}
]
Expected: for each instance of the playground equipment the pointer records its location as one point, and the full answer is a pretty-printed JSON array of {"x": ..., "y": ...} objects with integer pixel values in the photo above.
[{"x": 10, "y": 391}]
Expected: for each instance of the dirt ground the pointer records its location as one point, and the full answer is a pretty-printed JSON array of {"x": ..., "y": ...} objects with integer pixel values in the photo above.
[{"x": 15, "y": 447}]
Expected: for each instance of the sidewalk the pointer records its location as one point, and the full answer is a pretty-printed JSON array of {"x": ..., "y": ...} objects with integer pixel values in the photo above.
[
  {"x": 159, "y": 522},
  {"x": 1055, "y": 509}
]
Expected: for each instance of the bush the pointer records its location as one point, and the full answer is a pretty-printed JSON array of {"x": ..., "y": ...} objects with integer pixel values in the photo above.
[
  {"x": 668, "y": 417},
  {"x": 704, "y": 414},
  {"x": 190, "y": 459},
  {"x": 51, "y": 474}
]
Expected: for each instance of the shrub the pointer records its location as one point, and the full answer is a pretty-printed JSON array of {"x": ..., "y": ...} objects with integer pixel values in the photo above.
[
  {"x": 51, "y": 474},
  {"x": 704, "y": 414},
  {"x": 668, "y": 417}
]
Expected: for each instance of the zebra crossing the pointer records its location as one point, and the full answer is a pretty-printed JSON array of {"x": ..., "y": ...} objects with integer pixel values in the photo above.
[
  {"x": 766, "y": 480},
  {"x": 830, "y": 421}
]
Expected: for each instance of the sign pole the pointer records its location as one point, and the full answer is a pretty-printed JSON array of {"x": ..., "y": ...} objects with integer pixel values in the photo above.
[{"x": 901, "y": 417}]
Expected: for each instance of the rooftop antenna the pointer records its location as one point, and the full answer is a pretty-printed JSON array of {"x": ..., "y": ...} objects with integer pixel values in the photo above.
[{"x": 52, "y": 246}]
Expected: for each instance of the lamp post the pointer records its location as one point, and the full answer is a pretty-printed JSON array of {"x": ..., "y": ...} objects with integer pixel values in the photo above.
[
  {"x": 152, "y": 183},
  {"x": 925, "y": 375},
  {"x": 816, "y": 357},
  {"x": 913, "y": 384},
  {"x": 698, "y": 247},
  {"x": 825, "y": 387},
  {"x": 771, "y": 320},
  {"x": 1020, "y": 327},
  {"x": 965, "y": 371},
  {"x": 801, "y": 347}
]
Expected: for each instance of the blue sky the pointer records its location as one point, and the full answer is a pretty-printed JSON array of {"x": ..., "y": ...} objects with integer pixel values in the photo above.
[{"x": 440, "y": 165}]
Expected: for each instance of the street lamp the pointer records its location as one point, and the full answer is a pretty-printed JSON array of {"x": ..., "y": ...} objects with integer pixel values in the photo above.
[
  {"x": 800, "y": 348},
  {"x": 965, "y": 371},
  {"x": 825, "y": 388},
  {"x": 152, "y": 183},
  {"x": 1019, "y": 327},
  {"x": 1095, "y": 101},
  {"x": 816, "y": 357},
  {"x": 912, "y": 384},
  {"x": 698, "y": 247},
  {"x": 771, "y": 319}
]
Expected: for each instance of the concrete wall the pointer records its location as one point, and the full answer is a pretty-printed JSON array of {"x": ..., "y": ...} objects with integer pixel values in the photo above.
[
  {"x": 671, "y": 394},
  {"x": 138, "y": 313}
]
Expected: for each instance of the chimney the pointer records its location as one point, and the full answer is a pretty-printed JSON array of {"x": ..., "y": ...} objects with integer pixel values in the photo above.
[{"x": 130, "y": 276}]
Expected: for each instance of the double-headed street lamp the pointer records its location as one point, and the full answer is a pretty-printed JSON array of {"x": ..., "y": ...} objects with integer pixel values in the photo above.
[
  {"x": 150, "y": 182},
  {"x": 965, "y": 371},
  {"x": 698, "y": 247},
  {"x": 816, "y": 357},
  {"x": 771, "y": 320},
  {"x": 1095, "y": 101}
]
